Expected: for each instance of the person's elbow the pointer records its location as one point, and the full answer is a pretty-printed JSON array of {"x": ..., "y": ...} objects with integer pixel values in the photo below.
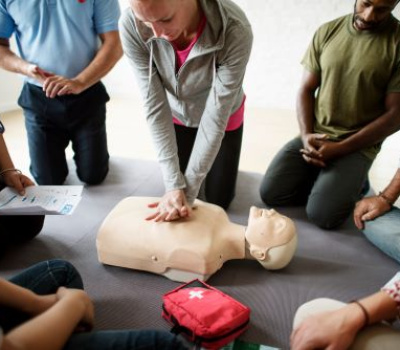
[
  {"x": 395, "y": 119},
  {"x": 392, "y": 105},
  {"x": 112, "y": 47},
  {"x": 118, "y": 51},
  {"x": 309, "y": 83}
]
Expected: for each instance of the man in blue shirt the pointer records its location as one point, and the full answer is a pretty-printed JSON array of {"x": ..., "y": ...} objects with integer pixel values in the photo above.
[{"x": 62, "y": 98}]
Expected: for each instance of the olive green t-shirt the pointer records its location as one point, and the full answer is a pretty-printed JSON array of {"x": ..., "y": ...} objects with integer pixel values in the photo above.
[{"x": 357, "y": 69}]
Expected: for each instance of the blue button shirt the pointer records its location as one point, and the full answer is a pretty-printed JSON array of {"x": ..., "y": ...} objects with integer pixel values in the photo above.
[{"x": 60, "y": 36}]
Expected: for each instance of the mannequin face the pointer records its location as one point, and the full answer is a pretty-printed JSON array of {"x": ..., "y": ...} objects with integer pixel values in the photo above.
[{"x": 269, "y": 232}]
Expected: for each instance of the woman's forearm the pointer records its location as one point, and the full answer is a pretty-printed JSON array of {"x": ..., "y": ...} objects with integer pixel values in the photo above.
[
  {"x": 51, "y": 329},
  {"x": 379, "y": 307},
  {"x": 16, "y": 297},
  {"x": 5, "y": 159}
]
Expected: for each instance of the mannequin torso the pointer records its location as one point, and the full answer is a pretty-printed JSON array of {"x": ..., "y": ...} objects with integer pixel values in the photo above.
[{"x": 194, "y": 247}]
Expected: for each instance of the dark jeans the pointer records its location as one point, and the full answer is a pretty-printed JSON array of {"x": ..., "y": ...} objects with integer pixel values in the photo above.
[
  {"x": 329, "y": 193},
  {"x": 17, "y": 229},
  {"x": 46, "y": 277},
  {"x": 220, "y": 182},
  {"x": 51, "y": 123}
]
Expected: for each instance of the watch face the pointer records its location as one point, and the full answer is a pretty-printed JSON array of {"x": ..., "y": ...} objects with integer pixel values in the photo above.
[{"x": 1, "y": 127}]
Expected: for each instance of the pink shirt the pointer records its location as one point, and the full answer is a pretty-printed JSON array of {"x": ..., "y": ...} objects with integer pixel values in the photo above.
[{"x": 236, "y": 119}]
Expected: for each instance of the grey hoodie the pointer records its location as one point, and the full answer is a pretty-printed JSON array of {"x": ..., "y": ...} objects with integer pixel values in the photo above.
[{"x": 205, "y": 91}]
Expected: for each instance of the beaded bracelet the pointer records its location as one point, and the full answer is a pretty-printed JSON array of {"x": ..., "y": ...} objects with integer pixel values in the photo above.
[
  {"x": 385, "y": 198},
  {"x": 9, "y": 169},
  {"x": 364, "y": 311}
]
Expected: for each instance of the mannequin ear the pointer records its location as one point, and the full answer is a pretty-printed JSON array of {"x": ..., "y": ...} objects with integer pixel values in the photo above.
[
  {"x": 254, "y": 212},
  {"x": 258, "y": 253}
]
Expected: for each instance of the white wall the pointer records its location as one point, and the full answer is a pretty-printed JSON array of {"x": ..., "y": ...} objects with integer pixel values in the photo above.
[
  {"x": 282, "y": 31},
  {"x": 10, "y": 86}
]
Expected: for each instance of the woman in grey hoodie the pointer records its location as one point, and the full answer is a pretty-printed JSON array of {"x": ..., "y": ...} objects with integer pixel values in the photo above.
[{"x": 190, "y": 57}]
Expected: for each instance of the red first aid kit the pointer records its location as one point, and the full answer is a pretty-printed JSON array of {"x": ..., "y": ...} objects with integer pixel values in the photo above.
[{"x": 205, "y": 315}]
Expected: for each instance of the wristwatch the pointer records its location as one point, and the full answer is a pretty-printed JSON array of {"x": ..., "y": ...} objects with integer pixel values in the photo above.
[{"x": 2, "y": 129}]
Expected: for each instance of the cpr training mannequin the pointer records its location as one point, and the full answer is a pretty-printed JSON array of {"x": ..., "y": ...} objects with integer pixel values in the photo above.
[{"x": 194, "y": 247}]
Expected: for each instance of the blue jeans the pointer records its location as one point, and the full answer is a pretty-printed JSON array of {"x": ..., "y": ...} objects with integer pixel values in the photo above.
[
  {"x": 51, "y": 123},
  {"x": 329, "y": 193},
  {"x": 46, "y": 277},
  {"x": 384, "y": 232}
]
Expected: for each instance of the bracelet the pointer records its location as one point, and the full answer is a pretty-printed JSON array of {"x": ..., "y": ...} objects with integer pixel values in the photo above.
[
  {"x": 9, "y": 169},
  {"x": 364, "y": 311},
  {"x": 386, "y": 198}
]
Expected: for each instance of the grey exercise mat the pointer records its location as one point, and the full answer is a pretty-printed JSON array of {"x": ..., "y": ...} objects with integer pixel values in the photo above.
[{"x": 339, "y": 264}]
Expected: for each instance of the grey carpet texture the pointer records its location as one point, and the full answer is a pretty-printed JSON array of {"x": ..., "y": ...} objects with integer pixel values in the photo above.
[{"x": 339, "y": 264}]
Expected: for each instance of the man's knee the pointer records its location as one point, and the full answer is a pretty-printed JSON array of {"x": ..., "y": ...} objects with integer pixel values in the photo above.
[
  {"x": 52, "y": 181},
  {"x": 325, "y": 217},
  {"x": 53, "y": 176},
  {"x": 267, "y": 194},
  {"x": 92, "y": 176},
  {"x": 384, "y": 233}
]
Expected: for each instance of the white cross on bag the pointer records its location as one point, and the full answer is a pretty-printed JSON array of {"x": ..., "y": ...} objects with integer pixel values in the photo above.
[{"x": 196, "y": 294}]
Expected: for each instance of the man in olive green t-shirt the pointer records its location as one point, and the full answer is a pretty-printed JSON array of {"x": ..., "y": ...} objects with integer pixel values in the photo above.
[{"x": 348, "y": 103}]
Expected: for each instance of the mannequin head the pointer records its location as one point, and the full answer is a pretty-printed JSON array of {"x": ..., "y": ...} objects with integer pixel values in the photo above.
[
  {"x": 271, "y": 238},
  {"x": 195, "y": 247}
]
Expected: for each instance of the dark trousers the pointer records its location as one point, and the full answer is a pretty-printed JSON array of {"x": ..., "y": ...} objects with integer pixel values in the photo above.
[
  {"x": 52, "y": 123},
  {"x": 329, "y": 193},
  {"x": 16, "y": 229},
  {"x": 220, "y": 182}
]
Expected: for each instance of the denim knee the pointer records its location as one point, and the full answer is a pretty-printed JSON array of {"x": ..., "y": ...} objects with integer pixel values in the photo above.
[
  {"x": 65, "y": 274},
  {"x": 53, "y": 176},
  {"x": 384, "y": 232},
  {"x": 92, "y": 176}
]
